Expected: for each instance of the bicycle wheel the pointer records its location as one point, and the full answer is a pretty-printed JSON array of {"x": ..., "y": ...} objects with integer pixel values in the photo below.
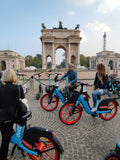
[
  {"x": 118, "y": 92},
  {"x": 47, "y": 148},
  {"x": 110, "y": 92},
  {"x": 107, "y": 116},
  {"x": 45, "y": 102},
  {"x": 65, "y": 116},
  {"x": 112, "y": 156}
]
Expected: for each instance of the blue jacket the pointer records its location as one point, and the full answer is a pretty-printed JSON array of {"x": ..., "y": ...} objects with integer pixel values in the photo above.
[{"x": 72, "y": 76}]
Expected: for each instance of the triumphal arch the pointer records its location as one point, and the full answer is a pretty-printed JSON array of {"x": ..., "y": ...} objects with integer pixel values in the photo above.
[{"x": 64, "y": 38}]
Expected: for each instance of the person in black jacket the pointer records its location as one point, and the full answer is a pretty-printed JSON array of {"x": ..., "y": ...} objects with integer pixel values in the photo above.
[
  {"x": 9, "y": 96},
  {"x": 100, "y": 84}
]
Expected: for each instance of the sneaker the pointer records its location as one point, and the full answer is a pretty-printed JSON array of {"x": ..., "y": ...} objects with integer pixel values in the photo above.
[{"x": 93, "y": 109}]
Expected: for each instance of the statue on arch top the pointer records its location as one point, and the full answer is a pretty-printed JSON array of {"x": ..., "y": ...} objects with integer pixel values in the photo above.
[
  {"x": 77, "y": 26},
  {"x": 60, "y": 25},
  {"x": 43, "y": 26}
]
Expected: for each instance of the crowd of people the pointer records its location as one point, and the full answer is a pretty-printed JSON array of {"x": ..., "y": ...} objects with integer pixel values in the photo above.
[{"x": 9, "y": 95}]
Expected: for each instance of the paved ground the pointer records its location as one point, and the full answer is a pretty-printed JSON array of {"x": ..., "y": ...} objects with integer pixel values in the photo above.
[{"x": 89, "y": 139}]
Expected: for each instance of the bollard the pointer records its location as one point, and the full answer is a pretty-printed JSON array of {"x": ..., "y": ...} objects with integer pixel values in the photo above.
[{"x": 32, "y": 84}]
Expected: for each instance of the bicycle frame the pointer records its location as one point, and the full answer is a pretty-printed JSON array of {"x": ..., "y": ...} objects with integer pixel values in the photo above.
[
  {"x": 87, "y": 107},
  {"x": 17, "y": 139},
  {"x": 57, "y": 92}
]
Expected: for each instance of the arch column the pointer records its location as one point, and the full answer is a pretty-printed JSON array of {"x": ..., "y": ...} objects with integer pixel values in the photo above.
[
  {"x": 68, "y": 56},
  {"x": 53, "y": 56},
  {"x": 43, "y": 56},
  {"x": 78, "y": 57}
]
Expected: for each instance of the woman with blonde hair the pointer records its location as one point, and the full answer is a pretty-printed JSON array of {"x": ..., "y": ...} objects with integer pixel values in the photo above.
[
  {"x": 100, "y": 84},
  {"x": 9, "y": 95}
]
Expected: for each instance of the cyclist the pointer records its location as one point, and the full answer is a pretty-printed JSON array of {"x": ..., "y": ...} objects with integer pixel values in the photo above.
[
  {"x": 72, "y": 79},
  {"x": 100, "y": 84},
  {"x": 9, "y": 96}
]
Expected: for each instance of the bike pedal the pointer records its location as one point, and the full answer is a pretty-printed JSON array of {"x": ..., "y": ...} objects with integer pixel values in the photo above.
[
  {"x": 9, "y": 157},
  {"x": 94, "y": 115}
]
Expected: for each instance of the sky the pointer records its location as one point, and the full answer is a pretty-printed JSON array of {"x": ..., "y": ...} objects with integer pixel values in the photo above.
[{"x": 20, "y": 24}]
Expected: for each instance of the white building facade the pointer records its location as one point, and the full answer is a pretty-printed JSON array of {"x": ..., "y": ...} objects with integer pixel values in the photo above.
[
  {"x": 11, "y": 60},
  {"x": 106, "y": 57}
]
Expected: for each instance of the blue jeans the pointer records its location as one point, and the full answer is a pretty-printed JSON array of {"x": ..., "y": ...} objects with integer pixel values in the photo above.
[{"x": 98, "y": 93}]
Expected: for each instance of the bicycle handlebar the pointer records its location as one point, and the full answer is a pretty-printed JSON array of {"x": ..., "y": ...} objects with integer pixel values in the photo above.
[
  {"x": 58, "y": 74},
  {"x": 38, "y": 73},
  {"x": 20, "y": 74},
  {"x": 87, "y": 84}
]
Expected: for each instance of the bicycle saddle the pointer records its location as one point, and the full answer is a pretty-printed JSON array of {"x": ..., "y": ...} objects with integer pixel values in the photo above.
[{"x": 27, "y": 115}]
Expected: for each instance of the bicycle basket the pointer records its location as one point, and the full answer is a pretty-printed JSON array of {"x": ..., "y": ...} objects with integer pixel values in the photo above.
[
  {"x": 50, "y": 89},
  {"x": 73, "y": 96}
]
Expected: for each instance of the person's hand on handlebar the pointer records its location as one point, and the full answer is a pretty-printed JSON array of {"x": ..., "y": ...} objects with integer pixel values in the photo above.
[
  {"x": 69, "y": 84},
  {"x": 59, "y": 79}
]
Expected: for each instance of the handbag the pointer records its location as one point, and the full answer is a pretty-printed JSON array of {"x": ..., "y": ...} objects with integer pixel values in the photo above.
[{"x": 21, "y": 106}]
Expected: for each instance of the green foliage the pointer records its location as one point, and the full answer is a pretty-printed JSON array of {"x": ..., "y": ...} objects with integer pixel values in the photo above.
[
  {"x": 84, "y": 61},
  {"x": 28, "y": 60},
  {"x": 33, "y": 61},
  {"x": 49, "y": 64},
  {"x": 62, "y": 65}
]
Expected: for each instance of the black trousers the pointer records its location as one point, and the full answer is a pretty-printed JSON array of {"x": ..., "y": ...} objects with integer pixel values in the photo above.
[
  {"x": 6, "y": 131},
  {"x": 67, "y": 90}
]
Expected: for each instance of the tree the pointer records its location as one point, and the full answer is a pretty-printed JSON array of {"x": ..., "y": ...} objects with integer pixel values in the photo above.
[
  {"x": 28, "y": 60},
  {"x": 84, "y": 61},
  {"x": 37, "y": 62},
  {"x": 39, "y": 56},
  {"x": 33, "y": 61},
  {"x": 49, "y": 64},
  {"x": 63, "y": 63}
]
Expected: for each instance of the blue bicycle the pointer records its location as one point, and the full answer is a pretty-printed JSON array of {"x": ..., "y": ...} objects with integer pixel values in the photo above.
[
  {"x": 71, "y": 112},
  {"x": 34, "y": 142},
  {"x": 49, "y": 101},
  {"x": 113, "y": 87}
]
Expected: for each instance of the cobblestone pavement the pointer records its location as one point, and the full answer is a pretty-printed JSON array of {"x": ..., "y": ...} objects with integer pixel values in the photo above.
[{"x": 90, "y": 138}]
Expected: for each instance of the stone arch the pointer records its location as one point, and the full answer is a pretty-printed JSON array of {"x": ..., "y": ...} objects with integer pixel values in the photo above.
[
  {"x": 53, "y": 39},
  {"x": 3, "y": 65}
]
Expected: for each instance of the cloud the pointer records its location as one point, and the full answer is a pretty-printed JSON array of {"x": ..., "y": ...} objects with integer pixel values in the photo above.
[
  {"x": 81, "y": 2},
  {"x": 106, "y": 6},
  {"x": 71, "y": 13},
  {"x": 98, "y": 27},
  {"x": 84, "y": 37}
]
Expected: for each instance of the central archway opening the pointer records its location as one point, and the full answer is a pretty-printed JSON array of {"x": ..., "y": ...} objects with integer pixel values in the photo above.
[{"x": 60, "y": 58}]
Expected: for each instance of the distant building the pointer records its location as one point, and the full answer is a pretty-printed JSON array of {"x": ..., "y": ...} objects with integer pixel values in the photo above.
[
  {"x": 11, "y": 60},
  {"x": 106, "y": 57}
]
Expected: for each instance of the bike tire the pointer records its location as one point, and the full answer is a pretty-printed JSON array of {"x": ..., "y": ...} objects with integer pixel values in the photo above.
[
  {"x": 107, "y": 116},
  {"x": 112, "y": 156},
  {"x": 118, "y": 92},
  {"x": 44, "y": 102},
  {"x": 64, "y": 114},
  {"x": 110, "y": 92},
  {"x": 47, "y": 147}
]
